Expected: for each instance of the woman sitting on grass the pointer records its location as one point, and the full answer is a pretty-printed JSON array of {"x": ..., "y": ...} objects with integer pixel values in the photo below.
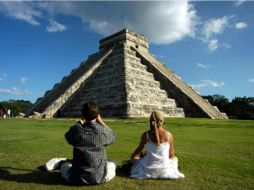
[{"x": 159, "y": 160}]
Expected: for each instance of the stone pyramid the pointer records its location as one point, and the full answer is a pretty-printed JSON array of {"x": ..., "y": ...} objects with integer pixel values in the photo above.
[{"x": 126, "y": 81}]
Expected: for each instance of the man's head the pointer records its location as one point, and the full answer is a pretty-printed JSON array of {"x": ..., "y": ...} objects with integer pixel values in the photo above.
[{"x": 90, "y": 111}]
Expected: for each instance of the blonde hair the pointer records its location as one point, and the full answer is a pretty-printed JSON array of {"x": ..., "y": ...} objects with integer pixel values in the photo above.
[{"x": 156, "y": 121}]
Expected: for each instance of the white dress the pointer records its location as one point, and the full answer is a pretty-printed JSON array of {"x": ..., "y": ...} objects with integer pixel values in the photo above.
[{"x": 156, "y": 163}]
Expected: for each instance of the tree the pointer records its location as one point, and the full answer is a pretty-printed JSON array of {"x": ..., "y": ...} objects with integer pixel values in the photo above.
[
  {"x": 242, "y": 108},
  {"x": 238, "y": 108},
  {"x": 16, "y": 106},
  {"x": 220, "y": 101}
]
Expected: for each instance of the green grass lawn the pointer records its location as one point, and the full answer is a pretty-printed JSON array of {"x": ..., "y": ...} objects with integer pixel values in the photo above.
[{"x": 213, "y": 154}]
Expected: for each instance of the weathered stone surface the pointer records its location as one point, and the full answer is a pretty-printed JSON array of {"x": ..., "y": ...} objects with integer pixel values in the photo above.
[
  {"x": 125, "y": 81},
  {"x": 52, "y": 101},
  {"x": 21, "y": 115},
  {"x": 36, "y": 115},
  {"x": 194, "y": 105}
]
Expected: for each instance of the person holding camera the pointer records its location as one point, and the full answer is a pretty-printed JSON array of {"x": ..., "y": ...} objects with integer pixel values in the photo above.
[{"x": 89, "y": 140}]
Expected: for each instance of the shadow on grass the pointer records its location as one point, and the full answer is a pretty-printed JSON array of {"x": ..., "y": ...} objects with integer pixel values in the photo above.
[
  {"x": 124, "y": 170},
  {"x": 42, "y": 177},
  {"x": 31, "y": 176}
]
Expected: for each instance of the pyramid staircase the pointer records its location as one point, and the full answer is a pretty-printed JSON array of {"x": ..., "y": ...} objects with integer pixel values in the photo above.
[
  {"x": 144, "y": 93},
  {"x": 190, "y": 98},
  {"x": 54, "y": 99}
]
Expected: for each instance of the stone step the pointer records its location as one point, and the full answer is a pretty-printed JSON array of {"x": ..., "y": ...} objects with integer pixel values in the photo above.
[
  {"x": 138, "y": 72},
  {"x": 132, "y": 58},
  {"x": 136, "y": 65},
  {"x": 98, "y": 93},
  {"x": 112, "y": 63},
  {"x": 176, "y": 112},
  {"x": 115, "y": 57},
  {"x": 136, "y": 110},
  {"x": 139, "y": 99},
  {"x": 133, "y": 80},
  {"x": 142, "y": 73},
  {"x": 130, "y": 52},
  {"x": 105, "y": 81},
  {"x": 102, "y": 73},
  {"x": 146, "y": 91},
  {"x": 115, "y": 110},
  {"x": 101, "y": 102}
]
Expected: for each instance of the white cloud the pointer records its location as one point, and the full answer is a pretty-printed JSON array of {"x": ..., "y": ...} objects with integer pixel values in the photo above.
[
  {"x": 215, "y": 26},
  {"x": 55, "y": 26},
  {"x": 15, "y": 91},
  {"x": 251, "y": 80},
  {"x": 208, "y": 83},
  {"x": 160, "y": 56},
  {"x": 213, "y": 44},
  {"x": 23, "y": 80},
  {"x": 225, "y": 45},
  {"x": 21, "y": 11},
  {"x": 240, "y": 25},
  {"x": 174, "y": 20},
  {"x": 203, "y": 66},
  {"x": 239, "y": 2},
  {"x": 3, "y": 76},
  {"x": 31, "y": 12},
  {"x": 211, "y": 29}
]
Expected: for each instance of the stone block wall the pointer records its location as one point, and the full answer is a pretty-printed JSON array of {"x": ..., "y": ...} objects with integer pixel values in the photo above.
[
  {"x": 144, "y": 93},
  {"x": 194, "y": 105},
  {"x": 106, "y": 87}
]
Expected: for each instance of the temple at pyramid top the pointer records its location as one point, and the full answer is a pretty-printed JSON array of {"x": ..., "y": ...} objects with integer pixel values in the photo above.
[
  {"x": 125, "y": 37},
  {"x": 125, "y": 80}
]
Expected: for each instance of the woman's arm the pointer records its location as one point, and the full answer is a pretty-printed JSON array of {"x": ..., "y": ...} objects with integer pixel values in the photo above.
[
  {"x": 136, "y": 154},
  {"x": 171, "y": 148}
]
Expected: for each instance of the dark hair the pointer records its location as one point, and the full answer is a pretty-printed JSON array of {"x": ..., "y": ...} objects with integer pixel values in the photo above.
[{"x": 90, "y": 111}]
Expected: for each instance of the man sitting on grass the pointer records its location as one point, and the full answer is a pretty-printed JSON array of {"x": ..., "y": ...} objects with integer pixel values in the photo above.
[{"x": 89, "y": 140}]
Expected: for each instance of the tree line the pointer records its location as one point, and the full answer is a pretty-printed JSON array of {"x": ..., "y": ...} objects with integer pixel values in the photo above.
[
  {"x": 238, "y": 108},
  {"x": 16, "y": 106}
]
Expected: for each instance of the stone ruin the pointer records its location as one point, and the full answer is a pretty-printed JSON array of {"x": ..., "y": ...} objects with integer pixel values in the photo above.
[{"x": 125, "y": 80}]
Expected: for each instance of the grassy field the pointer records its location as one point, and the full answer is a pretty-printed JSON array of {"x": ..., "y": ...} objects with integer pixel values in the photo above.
[{"x": 212, "y": 154}]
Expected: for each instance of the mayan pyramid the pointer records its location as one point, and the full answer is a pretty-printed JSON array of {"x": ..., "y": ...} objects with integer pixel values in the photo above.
[{"x": 126, "y": 81}]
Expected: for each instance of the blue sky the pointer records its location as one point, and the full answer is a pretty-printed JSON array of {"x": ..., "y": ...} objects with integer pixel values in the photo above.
[{"x": 208, "y": 44}]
